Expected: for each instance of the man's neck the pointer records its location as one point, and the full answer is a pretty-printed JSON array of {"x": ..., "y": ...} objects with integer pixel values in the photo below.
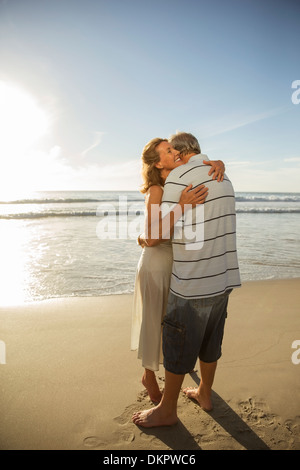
[{"x": 187, "y": 157}]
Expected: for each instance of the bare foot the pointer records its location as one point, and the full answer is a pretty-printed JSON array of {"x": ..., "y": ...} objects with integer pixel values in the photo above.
[
  {"x": 153, "y": 417},
  {"x": 150, "y": 383},
  {"x": 204, "y": 401}
]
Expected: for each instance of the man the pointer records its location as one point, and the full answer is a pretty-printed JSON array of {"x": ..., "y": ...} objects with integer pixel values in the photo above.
[{"x": 205, "y": 270}]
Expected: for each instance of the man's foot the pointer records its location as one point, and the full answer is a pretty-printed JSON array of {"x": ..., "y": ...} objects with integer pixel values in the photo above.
[
  {"x": 153, "y": 417},
  {"x": 203, "y": 400},
  {"x": 150, "y": 383}
]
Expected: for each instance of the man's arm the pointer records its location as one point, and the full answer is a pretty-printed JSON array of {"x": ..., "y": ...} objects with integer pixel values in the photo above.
[
  {"x": 173, "y": 189},
  {"x": 217, "y": 169}
]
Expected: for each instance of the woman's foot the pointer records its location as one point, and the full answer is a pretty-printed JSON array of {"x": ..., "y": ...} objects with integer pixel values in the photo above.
[
  {"x": 203, "y": 399},
  {"x": 150, "y": 383}
]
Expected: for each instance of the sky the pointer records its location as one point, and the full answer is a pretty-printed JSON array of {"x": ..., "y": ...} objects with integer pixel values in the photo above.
[{"x": 84, "y": 85}]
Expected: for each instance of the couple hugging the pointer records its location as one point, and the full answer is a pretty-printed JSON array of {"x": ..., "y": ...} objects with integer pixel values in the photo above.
[{"x": 186, "y": 272}]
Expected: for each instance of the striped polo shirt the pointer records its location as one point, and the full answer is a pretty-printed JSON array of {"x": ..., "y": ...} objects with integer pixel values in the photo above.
[{"x": 205, "y": 260}]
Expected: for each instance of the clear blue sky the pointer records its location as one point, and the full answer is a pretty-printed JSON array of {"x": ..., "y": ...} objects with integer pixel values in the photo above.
[{"x": 108, "y": 76}]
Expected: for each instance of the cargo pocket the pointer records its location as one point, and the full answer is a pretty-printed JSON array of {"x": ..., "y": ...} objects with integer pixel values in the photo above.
[{"x": 173, "y": 342}]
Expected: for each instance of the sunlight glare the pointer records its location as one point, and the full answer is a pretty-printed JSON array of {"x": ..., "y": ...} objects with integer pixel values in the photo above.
[{"x": 22, "y": 124}]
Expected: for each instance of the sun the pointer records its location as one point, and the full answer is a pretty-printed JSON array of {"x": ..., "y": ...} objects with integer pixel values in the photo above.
[{"x": 23, "y": 123}]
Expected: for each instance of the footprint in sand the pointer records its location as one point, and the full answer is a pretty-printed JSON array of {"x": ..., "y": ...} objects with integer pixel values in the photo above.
[
  {"x": 123, "y": 437},
  {"x": 92, "y": 441},
  {"x": 143, "y": 401},
  {"x": 125, "y": 417},
  {"x": 119, "y": 437}
]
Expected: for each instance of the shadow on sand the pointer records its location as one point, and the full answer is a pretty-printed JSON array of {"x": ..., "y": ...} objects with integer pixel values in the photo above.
[
  {"x": 232, "y": 423},
  {"x": 179, "y": 438}
]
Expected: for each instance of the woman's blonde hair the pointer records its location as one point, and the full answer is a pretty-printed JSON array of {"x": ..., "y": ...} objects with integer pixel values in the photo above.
[{"x": 150, "y": 156}]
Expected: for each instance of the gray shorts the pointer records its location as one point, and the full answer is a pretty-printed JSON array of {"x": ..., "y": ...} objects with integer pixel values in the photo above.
[{"x": 193, "y": 328}]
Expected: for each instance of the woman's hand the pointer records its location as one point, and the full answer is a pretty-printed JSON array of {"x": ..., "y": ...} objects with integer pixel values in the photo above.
[
  {"x": 217, "y": 169},
  {"x": 193, "y": 197},
  {"x": 141, "y": 241}
]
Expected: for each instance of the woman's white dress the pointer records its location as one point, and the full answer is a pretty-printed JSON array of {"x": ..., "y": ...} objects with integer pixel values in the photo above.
[{"x": 150, "y": 301}]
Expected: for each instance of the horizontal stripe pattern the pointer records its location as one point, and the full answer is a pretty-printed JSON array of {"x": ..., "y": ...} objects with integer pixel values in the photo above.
[
  {"x": 201, "y": 296},
  {"x": 205, "y": 261}
]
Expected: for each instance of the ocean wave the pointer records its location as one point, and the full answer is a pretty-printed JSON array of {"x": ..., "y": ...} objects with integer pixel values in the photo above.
[
  {"x": 92, "y": 213},
  {"x": 68, "y": 200},
  {"x": 116, "y": 197},
  {"x": 42, "y": 215},
  {"x": 268, "y": 210},
  {"x": 270, "y": 198},
  {"x": 104, "y": 213},
  {"x": 49, "y": 201}
]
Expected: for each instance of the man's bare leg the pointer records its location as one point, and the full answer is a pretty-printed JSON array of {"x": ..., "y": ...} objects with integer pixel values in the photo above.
[
  {"x": 203, "y": 393},
  {"x": 165, "y": 413},
  {"x": 150, "y": 383}
]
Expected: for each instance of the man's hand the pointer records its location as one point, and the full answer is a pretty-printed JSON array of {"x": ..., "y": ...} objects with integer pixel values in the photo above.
[{"x": 217, "y": 169}]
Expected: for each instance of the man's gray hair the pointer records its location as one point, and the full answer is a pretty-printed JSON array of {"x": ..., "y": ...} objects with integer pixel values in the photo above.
[{"x": 185, "y": 143}]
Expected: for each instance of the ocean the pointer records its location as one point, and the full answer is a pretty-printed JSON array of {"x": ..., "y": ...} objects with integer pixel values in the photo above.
[{"x": 83, "y": 243}]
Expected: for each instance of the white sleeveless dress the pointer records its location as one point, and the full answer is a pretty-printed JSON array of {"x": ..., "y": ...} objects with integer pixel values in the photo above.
[{"x": 151, "y": 292}]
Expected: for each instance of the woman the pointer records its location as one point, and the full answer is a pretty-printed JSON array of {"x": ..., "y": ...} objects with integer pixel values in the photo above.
[{"x": 155, "y": 264}]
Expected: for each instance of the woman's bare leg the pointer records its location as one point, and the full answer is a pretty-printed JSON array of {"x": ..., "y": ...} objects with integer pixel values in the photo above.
[{"x": 150, "y": 383}]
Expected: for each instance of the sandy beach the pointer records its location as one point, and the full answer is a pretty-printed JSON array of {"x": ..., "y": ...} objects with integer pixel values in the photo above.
[{"x": 70, "y": 381}]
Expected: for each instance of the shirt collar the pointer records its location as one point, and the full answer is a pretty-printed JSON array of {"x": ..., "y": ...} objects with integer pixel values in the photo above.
[{"x": 199, "y": 156}]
